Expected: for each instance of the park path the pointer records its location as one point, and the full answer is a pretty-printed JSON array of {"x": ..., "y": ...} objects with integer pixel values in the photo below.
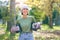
[
  {"x": 46, "y": 34},
  {"x": 2, "y": 31},
  {"x": 42, "y": 33}
]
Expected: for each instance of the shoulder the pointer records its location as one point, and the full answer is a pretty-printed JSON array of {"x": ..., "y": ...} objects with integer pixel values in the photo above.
[
  {"x": 30, "y": 16},
  {"x": 19, "y": 17}
]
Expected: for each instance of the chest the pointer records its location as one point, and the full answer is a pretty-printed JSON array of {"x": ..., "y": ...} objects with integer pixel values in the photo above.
[{"x": 25, "y": 22}]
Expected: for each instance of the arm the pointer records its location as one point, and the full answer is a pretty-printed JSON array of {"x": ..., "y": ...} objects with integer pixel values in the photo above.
[
  {"x": 18, "y": 24},
  {"x": 33, "y": 24}
]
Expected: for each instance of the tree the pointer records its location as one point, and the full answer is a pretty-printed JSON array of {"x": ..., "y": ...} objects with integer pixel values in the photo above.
[
  {"x": 12, "y": 20},
  {"x": 37, "y": 9},
  {"x": 37, "y": 13},
  {"x": 4, "y": 13},
  {"x": 58, "y": 12},
  {"x": 12, "y": 14},
  {"x": 49, "y": 11},
  {"x": 44, "y": 5}
]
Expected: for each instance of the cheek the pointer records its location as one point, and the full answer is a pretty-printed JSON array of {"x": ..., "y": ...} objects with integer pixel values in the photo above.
[{"x": 25, "y": 11}]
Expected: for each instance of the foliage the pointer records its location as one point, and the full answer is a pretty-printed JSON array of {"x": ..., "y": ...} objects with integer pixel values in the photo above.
[
  {"x": 37, "y": 9},
  {"x": 46, "y": 6},
  {"x": 6, "y": 36},
  {"x": 4, "y": 13},
  {"x": 37, "y": 13}
]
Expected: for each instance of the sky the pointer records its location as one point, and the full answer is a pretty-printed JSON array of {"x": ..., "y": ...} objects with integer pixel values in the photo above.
[
  {"x": 3, "y": 0},
  {"x": 16, "y": 0},
  {"x": 21, "y": 1}
]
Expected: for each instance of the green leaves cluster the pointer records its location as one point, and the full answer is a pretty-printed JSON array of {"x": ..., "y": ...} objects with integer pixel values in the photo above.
[
  {"x": 4, "y": 13},
  {"x": 37, "y": 13}
]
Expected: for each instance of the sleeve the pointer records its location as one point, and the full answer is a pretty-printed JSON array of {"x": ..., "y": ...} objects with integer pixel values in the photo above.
[
  {"x": 32, "y": 24},
  {"x": 18, "y": 24},
  {"x": 17, "y": 21}
]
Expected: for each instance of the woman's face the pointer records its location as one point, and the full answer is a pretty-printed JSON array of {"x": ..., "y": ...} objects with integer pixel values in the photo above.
[{"x": 25, "y": 11}]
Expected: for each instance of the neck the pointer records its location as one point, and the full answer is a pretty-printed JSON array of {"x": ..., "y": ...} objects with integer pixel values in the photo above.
[{"x": 24, "y": 16}]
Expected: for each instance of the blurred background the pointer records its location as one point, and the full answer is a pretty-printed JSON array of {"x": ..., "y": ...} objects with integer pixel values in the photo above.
[{"x": 47, "y": 12}]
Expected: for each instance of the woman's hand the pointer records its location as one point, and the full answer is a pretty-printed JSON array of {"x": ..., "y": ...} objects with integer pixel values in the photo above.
[
  {"x": 13, "y": 29},
  {"x": 36, "y": 26}
]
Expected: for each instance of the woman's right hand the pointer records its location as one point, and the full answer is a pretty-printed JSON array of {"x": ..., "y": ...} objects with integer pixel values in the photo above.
[{"x": 13, "y": 30}]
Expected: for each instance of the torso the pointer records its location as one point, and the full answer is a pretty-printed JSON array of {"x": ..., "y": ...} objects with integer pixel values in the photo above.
[{"x": 25, "y": 24}]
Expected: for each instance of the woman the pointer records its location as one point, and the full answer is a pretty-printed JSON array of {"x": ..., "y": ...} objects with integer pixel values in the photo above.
[{"x": 25, "y": 23}]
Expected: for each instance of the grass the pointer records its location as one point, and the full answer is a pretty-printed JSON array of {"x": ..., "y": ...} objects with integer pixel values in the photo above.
[
  {"x": 46, "y": 27},
  {"x": 43, "y": 27}
]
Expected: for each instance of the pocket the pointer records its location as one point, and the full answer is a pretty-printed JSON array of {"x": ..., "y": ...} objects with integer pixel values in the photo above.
[{"x": 30, "y": 35}]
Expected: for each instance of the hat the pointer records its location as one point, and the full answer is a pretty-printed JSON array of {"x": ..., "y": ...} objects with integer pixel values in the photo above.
[{"x": 24, "y": 6}]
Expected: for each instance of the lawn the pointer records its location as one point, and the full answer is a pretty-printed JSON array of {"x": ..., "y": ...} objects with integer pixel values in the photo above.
[{"x": 45, "y": 33}]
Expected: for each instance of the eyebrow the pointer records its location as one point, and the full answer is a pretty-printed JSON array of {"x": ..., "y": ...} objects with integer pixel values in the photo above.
[{"x": 25, "y": 8}]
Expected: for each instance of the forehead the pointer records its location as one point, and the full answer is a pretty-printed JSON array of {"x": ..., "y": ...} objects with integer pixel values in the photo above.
[{"x": 25, "y": 9}]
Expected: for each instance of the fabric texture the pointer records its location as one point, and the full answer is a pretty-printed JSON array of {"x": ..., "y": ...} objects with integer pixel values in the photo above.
[
  {"x": 26, "y": 36},
  {"x": 26, "y": 27},
  {"x": 25, "y": 24}
]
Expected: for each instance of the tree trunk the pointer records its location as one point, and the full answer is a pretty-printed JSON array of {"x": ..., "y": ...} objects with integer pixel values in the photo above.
[
  {"x": 12, "y": 20},
  {"x": 50, "y": 22},
  {"x": 48, "y": 10}
]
